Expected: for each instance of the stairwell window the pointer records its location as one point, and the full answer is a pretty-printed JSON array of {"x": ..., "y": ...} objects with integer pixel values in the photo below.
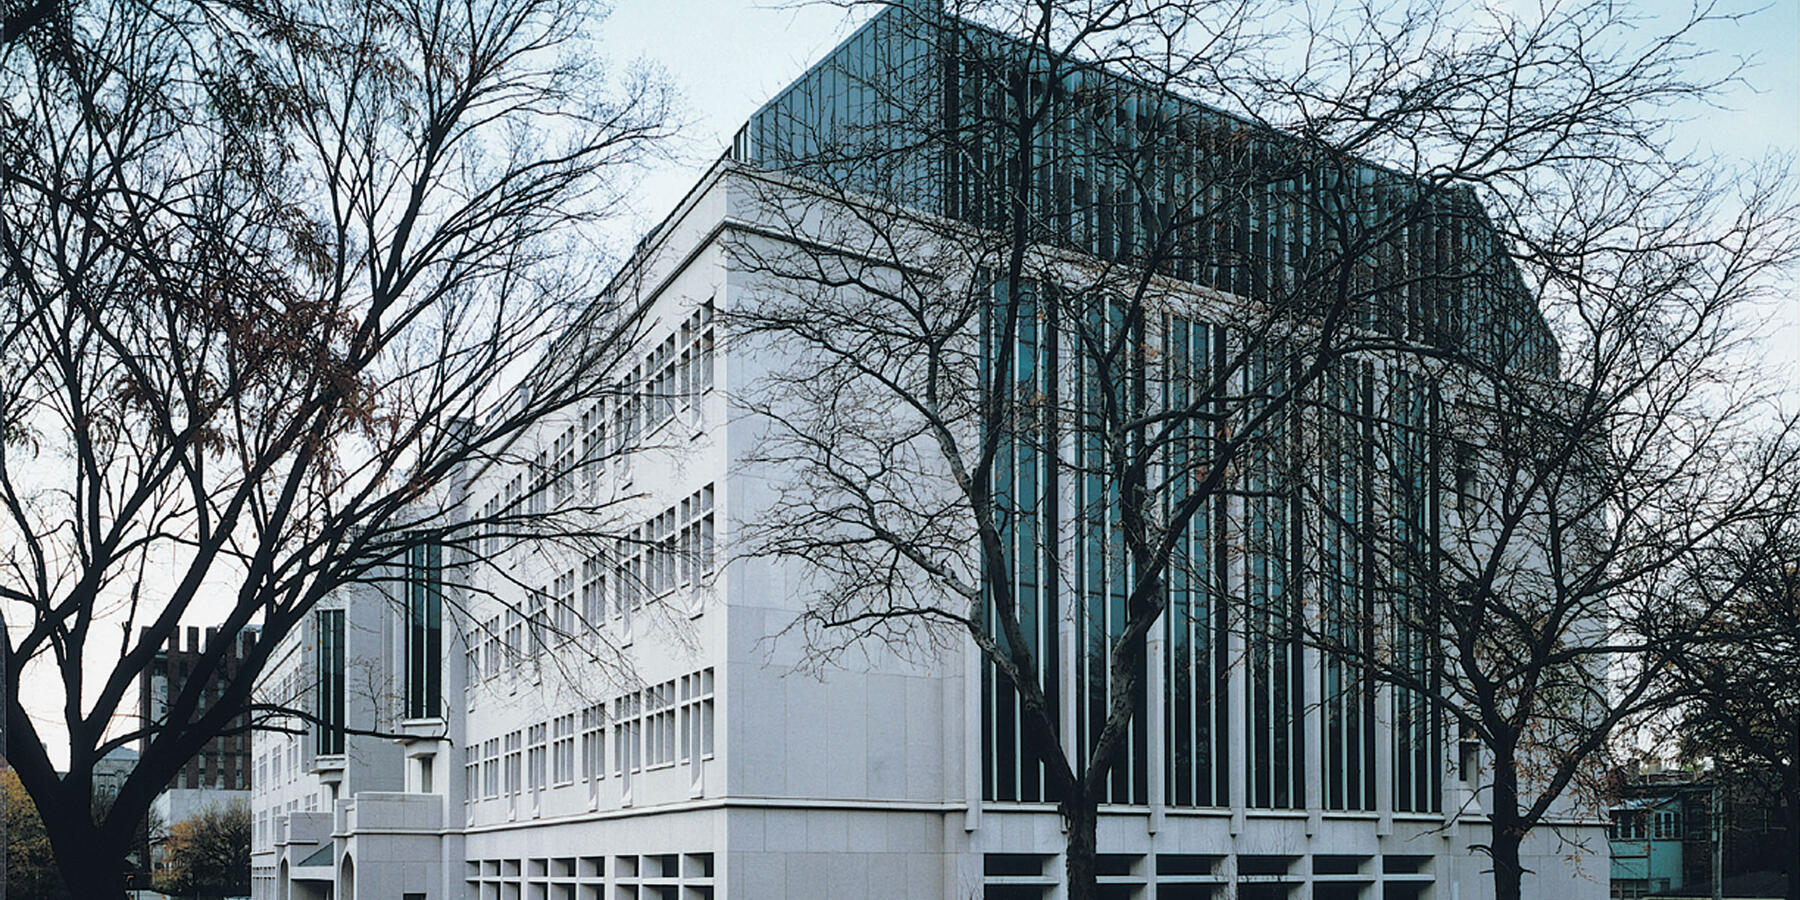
[
  {"x": 329, "y": 730},
  {"x": 424, "y": 631}
]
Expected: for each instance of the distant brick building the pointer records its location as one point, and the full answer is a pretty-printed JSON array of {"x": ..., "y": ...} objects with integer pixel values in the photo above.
[{"x": 220, "y": 772}]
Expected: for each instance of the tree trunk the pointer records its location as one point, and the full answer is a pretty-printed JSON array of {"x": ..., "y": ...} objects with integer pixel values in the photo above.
[
  {"x": 1509, "y": 833},
  {"x": 1790, "y": 783},
  {"x": 97, "y": 870},
  {"x": 94, "y": 883},
  {"x": 1081, "y": 816},
  {"x": 1507, "y": 869}
]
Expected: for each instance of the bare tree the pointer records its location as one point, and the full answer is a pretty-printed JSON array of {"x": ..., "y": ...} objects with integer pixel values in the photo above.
[
  {"x": 1065, "y": 349},
  {"x": 1530, "y": 528},
  {"x": 1739, "y": 671},
  {"x": 272, "y": 284}
]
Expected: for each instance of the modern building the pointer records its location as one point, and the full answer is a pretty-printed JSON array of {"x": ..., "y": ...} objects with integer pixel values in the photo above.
[
  {"x": 636, "y": 720},
  {"x": 322, "y": 797}
]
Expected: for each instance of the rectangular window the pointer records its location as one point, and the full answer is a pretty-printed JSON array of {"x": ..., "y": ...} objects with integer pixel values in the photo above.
[
  {"x": 330, "y": 695},
  {"x": 512, "y": 500},
  {"x": 593, "y": 590},
  {"x": 487, "y": 542},
  {"x": 471, "y": 773},
  {"x": 537, "y": 493},
  {"x": 696, "y": 550},
  {"x": 666, "y": 379},
  {"x": 515, "y": 636},
  {"x": 628, "y": 554},
  {"x": 514, "y": 768},
  {"x": 491, "y": 643},
  {"x": 703, "y": 349},
  {"x": 563, "y": 464},
  {"x": 696, "y": 362},
  {"x": 490, "y": 768},
  {"x": 626, "y": 413},
  {"x": 659, "y": 722},
  {"x": 538, "y": 624},
  {"x": 563, "y": 613},
  {"x": 424, "y": 631},
  {"x": 562, "y": 751},
  {"x": 593, "y": 440},
  {"x": 593, "y": 741},
  {"x": 696, "y": 715},
  {"x": 536, "y": 765},
  {"x": 627, "y": 752}
]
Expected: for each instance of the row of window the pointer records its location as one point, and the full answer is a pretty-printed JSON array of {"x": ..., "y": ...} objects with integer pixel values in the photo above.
[
  {"x": 656, "y": 875},
  {"x": 671, "y": 378},
  {"x": 657, "y": 727},
  {"x": 1638, "y": 824},
  {"x": 263, "y": 836},
  {"x": 281, "y": 765},
  {"x": 1121, "y": 171},
  {"x": 1371, "y": 479},
  {"x": 673, "y": 549}
]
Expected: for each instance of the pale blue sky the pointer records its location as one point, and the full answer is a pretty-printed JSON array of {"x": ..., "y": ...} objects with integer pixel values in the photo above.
[{"x": 728, "y": 56}]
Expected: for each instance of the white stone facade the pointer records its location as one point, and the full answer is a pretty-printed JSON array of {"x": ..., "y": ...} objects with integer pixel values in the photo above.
[{"x": 674, "y": 750}]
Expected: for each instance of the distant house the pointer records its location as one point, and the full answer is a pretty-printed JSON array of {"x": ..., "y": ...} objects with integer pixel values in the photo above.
[
  {"x": 1649, "y": 837},
  {"x": 1661, "y": 836}
]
